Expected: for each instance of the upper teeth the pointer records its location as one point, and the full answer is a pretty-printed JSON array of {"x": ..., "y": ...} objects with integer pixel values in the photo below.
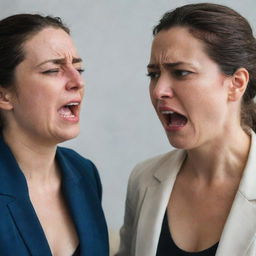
[
  {"x": 72, "y": 104},
  {"x": 167, "y": 112}
]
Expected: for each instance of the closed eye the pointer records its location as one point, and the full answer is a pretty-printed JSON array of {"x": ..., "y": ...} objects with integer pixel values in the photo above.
[
  {"x": 57, "y": 70},
  {"x": 51, "y": 71}
]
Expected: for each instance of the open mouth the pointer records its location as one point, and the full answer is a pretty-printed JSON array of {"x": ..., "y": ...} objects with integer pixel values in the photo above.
[
  {"x": 174, "y": 120},
  {"x": 69, "y": 110}
]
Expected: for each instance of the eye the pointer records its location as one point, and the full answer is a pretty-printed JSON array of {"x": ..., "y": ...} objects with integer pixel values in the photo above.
[
  {"x": 181, "y": 73},
  {"x": 51, "y": 71},
  {"x": 153, "y": 75},
  {"x": 80, "y": 70}
]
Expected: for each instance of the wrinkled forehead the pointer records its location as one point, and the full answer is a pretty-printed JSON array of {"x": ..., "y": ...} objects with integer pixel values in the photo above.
[
  {"x": 50, "y": 43},
  {"x": 175, "y": 44}
]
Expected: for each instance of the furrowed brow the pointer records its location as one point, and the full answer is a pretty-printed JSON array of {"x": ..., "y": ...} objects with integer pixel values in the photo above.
[
  {"x": 60, "y": 61},
  {"x": 153, "y": 66},
  {"x": 77, "y": 60},
  {"x": 168, "y": 65},
  {"x": 174, "y": 64}
]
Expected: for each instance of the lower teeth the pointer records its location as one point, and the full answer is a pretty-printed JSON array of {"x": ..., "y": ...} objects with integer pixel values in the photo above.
[{"x": 68, "y": 115}]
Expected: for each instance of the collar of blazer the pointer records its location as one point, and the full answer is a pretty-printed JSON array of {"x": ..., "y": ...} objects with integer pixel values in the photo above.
[
  {"x": 174, "y": 160},
  {"x": 169, "y": 165},
  {"x": 238, "y": 235},
  {"x": 247, "y": 185},
  {"x": 12, "y": 179}
]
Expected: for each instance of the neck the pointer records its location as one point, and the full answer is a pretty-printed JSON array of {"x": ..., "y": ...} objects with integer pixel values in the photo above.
[
  {"x": 36, "y": 161},
  {"x": 220, "y": 159}
]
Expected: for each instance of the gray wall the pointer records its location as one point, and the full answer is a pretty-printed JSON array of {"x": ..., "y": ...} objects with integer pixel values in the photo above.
[{"x": 119, "y": 126}]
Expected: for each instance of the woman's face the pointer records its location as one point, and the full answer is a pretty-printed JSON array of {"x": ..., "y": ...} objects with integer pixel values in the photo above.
[
  {"x": 187, "y": 89},
  {"x": 48, "y": 88}
]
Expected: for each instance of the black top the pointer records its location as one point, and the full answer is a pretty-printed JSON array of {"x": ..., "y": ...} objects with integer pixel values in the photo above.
[
  {"x": 166, "y": 245},
  {"x": 77, "y": 251}
]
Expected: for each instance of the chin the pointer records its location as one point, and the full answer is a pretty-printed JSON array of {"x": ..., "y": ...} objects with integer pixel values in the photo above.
[
  {"x": 68, "y": 135},
  {"x": 180, "y": 143}
]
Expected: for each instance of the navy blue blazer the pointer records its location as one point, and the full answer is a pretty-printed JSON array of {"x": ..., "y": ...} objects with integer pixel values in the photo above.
[{"x": 21, "y": 233}]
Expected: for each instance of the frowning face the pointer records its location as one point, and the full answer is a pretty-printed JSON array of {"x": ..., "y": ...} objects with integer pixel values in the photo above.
[
  {"x": 48, "y": 89},
  {"x": 187, "y": 89}
]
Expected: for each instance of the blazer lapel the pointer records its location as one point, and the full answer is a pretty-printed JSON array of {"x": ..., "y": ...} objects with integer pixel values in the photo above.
[
  {"x": 79, "y": 209},
  {"x": 29, "y": 227},
  {"x": 81, "y": 195},
  {"x": 240, "y": 228},
  {"x": 154, "y": 205},
  {"x": 13, "y": 184}
]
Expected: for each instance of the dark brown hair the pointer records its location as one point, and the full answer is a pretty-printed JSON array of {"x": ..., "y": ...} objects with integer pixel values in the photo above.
[
  {"x": 228, "y": 40},
  {"x": 15, "y": 30}
]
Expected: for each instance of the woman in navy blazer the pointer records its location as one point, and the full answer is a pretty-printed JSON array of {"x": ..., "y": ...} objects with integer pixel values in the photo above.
[{"x": 50, "y": 197}]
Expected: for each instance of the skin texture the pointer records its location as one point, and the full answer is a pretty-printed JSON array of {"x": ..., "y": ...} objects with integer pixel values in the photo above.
[
  {"x": 48, "y": 78},
  {"x": 197, "y": 80},
  {"x": 51, "y": 85},
  {"x": 185, "y": 80}
]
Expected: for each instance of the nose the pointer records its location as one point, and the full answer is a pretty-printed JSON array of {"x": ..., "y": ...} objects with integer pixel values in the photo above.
[
  {"x": 162, "y": 88},
  {"x": 74, "y": 79}
]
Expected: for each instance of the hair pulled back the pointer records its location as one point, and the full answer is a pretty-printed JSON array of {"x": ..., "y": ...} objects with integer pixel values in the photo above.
[
  {"x": 15, "y": 30},
  {"x": 228, "y": 40}
]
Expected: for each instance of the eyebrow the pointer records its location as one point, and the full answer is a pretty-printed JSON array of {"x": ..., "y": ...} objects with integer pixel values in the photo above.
[
  {"x": 168, "y": 65},
  {"x": 60, "y": 61}
]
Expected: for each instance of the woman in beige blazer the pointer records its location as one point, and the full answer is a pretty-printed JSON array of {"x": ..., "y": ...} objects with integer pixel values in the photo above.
[{"x": 199, "y": 199}]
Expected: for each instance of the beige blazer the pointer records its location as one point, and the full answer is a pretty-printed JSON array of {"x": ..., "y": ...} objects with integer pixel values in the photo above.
[{"x": 149, "y": 189}]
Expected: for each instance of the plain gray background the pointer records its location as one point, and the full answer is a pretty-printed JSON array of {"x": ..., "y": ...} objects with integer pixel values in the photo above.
[{"x": 119, "y": 127}]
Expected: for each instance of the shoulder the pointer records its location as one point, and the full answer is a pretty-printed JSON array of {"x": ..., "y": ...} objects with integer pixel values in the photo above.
[
  {"x": 150, "y": 172},
  {"x": 75, "y": 165},
  {"x": 144, "y": 171},
  {"x": 73, "y": 159}
]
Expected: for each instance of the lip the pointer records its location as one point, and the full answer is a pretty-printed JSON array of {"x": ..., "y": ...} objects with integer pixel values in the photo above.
[
  {"x": 165, "y": 122},
  {"x": 75, "y": 109}
]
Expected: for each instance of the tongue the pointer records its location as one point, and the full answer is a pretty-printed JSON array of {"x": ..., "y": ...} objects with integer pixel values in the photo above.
[
  {"x": 177, "y": 120},
  {"x": 65, "y": 111}
]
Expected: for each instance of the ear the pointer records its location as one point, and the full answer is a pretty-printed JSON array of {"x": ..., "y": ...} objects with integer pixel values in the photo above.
[
  {"x": 238, "y": 84},
  {"x": 5, "y": 99}
]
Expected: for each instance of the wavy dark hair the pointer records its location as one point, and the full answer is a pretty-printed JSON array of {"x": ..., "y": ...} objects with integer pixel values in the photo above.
[{"x": 228, "y": 40}]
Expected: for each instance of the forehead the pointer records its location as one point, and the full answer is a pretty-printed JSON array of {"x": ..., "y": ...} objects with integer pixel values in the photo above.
[
  {"x": 176, "y": 44},
  {"x": 48, "y": 44}
]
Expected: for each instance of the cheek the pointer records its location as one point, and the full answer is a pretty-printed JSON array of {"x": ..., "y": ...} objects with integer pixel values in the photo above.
[
  {"x": 153, "y": 100},
  {"x": 36, "y": 101},
  {"x": 211, "y": 111},
  {"x": 205, "y": 104}
]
